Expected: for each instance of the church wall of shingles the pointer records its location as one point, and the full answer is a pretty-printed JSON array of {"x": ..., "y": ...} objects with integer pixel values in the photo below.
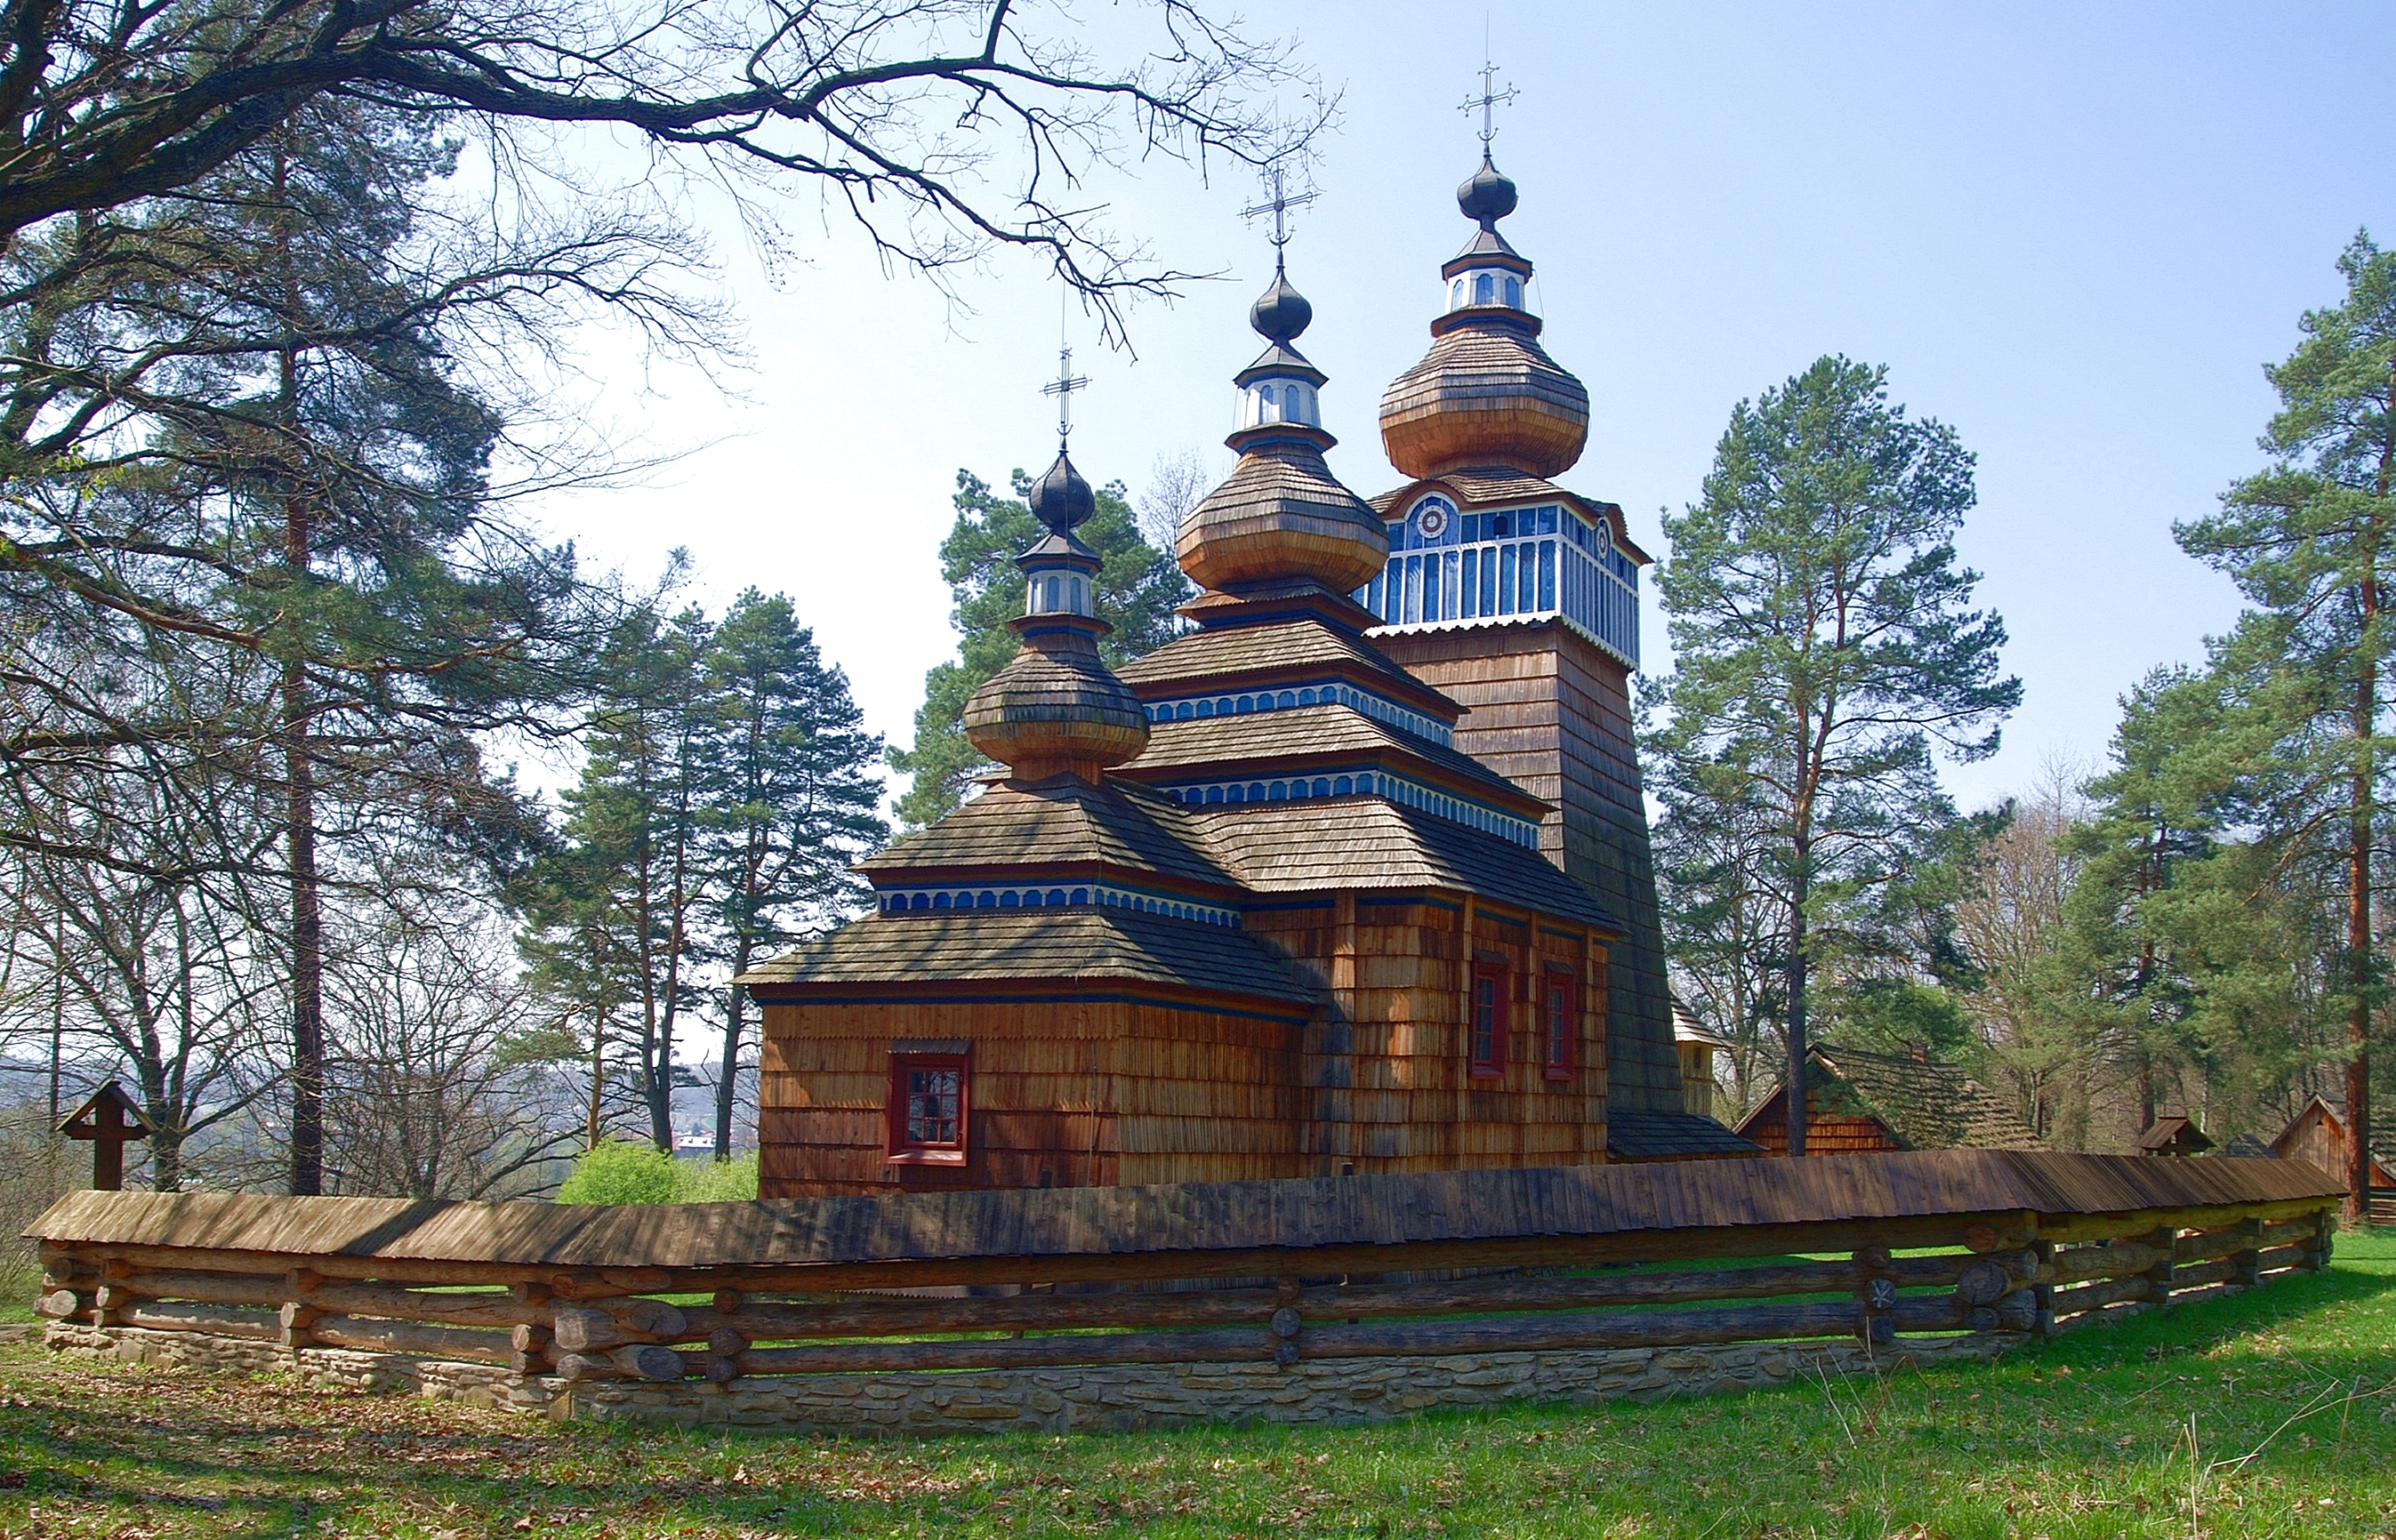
[
  {"x": 1385, "y": 1065},
  {"x": 1550, "y": 712},
  {"x": 1064, "y": 1093}
]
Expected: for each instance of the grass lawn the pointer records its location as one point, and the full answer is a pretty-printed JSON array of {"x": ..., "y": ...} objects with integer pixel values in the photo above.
[{"x": 2273, "y": 1415}]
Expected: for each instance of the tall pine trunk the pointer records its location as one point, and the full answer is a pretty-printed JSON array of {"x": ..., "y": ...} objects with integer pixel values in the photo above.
[
  {"x": 300, "y": 773},
  {"x": 2363, "y": 797},
  {"x": 1797, "y": 1048},
  {"x": 735, "y": 1021}
]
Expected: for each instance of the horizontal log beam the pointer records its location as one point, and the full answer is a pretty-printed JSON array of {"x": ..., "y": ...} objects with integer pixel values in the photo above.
[
  {"x": 217, "y": 1320},
  {"x": 2097, "y": 1297},
  {"x": 413, "y": 1337}
]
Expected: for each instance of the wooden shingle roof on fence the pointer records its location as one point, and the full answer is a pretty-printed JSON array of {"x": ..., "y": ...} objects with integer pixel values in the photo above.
[
  {"x": 1084, "y": 947},
  {"x": 1185, "y": 1218},
  {"x": 1064, "y": 820},
  {"x": 1367, "y": 844},
  {"x": 1305, "y": 735}
]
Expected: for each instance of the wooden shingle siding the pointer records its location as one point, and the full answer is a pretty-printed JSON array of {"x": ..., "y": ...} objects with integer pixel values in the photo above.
[
  {"x": 1088, "y": 1092},
  {"x": 1550, "y": 711}
]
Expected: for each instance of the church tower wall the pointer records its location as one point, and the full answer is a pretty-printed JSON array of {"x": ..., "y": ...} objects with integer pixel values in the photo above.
[{"x": 1550, "y": 711}]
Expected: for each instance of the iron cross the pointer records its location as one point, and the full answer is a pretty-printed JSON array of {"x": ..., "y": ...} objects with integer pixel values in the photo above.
[
  {"x": 1062, "y": 388},
  {"x": 1485, "y": 101},
  {"x": 1278, "y": 205}
]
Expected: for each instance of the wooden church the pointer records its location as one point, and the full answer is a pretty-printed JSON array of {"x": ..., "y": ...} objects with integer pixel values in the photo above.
[{"x": 1351, "y": 877}]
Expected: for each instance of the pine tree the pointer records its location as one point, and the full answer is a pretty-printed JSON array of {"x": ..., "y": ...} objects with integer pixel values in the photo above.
[
  {"x": 1823, "y": 648},
  {"x": 2308, "y": 542},
  {"x": 1138, "y": 588},
  {"x": 615, "y": 916},
  {"x": 792, "y": 792}
]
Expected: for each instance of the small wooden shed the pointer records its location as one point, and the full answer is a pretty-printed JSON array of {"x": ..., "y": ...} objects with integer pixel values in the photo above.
[{"x": 2173, "y": 1135}]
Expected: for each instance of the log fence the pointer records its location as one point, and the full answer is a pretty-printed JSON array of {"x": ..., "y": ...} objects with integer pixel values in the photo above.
[{"x": 1888, "y": 1250}]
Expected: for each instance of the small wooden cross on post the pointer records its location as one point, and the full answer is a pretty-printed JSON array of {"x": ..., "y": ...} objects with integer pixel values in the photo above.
[{"x": 108, "y": 1120}]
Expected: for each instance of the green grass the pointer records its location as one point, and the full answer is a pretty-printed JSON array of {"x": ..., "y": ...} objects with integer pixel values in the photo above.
[{"x": 2269, "y": 1415}]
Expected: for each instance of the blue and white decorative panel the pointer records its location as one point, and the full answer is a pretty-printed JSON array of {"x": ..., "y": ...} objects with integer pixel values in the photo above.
[{"x": 1447, "y": 568}]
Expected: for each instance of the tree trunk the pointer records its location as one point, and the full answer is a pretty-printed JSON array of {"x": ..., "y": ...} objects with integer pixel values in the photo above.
[
  {"x": 734, "y": 1014},
  {"x": 2362, "y": 796},
  {"x": 590, "y": 1128},
  {"x": 1795, "y": 1096},
  {"x": 300, "y": 782}
]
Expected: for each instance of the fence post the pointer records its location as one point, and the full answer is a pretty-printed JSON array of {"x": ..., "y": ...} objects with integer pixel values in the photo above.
[
  {"x": 535, "y": 1345},
  {"x": 2248, "y": 1259},
  {"x": 2324, "y": 1227},
  {"x": 2159, "y": 1277},
  {"x": 1876, "y": 1296},
  {"x": 297, "y": 1315},
  {"x": 2043, "y": 1291}
]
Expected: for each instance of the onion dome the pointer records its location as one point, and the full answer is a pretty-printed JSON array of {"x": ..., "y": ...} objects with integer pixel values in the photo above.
[
  {"x": 1281, "y": 515},
  {"x": 1061, "y": 500},
  {"x": 1487, "y": 395},
  {"x": 1055, "y": 708}
]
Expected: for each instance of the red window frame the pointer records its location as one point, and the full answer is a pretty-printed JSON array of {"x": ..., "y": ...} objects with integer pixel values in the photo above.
[
  {"x": 1560, "y": 1025},
  {"x": 907, "y": 1120},
  {"x": 1485, "y": 1029}
]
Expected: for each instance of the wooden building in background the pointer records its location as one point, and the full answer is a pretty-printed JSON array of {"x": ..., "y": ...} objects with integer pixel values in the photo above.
[
  {"x": 1861, "y": 1103},
  {"x": 1331, "y": 883}
]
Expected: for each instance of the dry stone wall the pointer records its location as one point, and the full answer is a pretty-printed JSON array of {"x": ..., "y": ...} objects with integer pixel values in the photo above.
[{"x": 1053, "y": 1400}]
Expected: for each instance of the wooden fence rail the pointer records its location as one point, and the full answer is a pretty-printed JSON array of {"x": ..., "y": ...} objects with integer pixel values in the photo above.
[{"x": 723, "y": 1292}]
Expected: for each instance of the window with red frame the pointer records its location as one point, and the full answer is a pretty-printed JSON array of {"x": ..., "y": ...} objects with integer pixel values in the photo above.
[
  {"x": 1560, "y": 1015},
  {"x": 1488, "y": 1024},
  {"x": 930, "y": 1107}
]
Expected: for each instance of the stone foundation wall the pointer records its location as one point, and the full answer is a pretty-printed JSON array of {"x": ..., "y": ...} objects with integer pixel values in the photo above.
[{"x": 1053, "y": 1400}]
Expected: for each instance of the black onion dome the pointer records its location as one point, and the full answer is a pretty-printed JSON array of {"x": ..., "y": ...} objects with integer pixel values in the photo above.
[
  {"x": 1062, "y": 498},
  {"x": 1486, "y": 195},
  {"x": 1281, "y": 313}
]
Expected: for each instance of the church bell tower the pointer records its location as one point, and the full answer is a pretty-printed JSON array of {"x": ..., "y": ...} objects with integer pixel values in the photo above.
[{"x": 1520, "y": 600}]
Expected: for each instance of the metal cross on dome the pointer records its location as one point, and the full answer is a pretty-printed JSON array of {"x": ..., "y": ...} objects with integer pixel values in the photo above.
[
  {"x": 1064, "y": 385},
  {"x": 1487, "y": 100},
  {"x": 1278, "y": 205}
]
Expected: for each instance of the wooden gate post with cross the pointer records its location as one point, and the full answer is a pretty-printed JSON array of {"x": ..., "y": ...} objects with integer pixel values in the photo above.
[{"x": 108, "y": 1120}]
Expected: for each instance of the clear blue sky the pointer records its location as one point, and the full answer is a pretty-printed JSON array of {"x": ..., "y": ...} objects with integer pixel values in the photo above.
[{"x": 2072, "y": 234}]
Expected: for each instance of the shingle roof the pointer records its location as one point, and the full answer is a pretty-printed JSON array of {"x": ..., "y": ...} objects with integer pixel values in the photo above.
[
  {"x": 1306, "y": 732},
  {"x": 1062, "y": 821},
  {"x": 1633, "y": 1134},
  {"x": 1292, "y": 648},
  {"x": 1369, "y": 844},
  {"x": 1926, "y": 1105},
  {"x": 1078, "y": 946}
]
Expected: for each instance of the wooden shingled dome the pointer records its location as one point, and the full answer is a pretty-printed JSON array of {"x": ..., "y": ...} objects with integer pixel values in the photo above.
[
  {"x": 1282, "y": 514},
  {"x": 1486, "y": 394},
  {"x": 1055, "y": 708}
]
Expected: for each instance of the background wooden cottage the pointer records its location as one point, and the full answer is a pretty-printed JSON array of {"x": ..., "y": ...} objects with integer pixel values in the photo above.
[{"x": 1859, "y": 1102}]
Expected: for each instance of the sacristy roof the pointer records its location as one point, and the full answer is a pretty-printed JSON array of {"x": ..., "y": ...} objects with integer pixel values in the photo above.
[{"x": 1077, "y": 947}]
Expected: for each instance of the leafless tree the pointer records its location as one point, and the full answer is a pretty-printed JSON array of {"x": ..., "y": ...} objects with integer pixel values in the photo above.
[
  {"x": 428, "y": 1095},
  {"x": 2011, "y": 923},
  {"x": 1177, "y": 483}
]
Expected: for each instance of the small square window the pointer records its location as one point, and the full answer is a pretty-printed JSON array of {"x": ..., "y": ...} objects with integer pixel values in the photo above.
[
  {"x": 1488, "y": 1023},
  {"x": 930, "y": 1109},
  {"x": 1560, "y": 1017}
]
